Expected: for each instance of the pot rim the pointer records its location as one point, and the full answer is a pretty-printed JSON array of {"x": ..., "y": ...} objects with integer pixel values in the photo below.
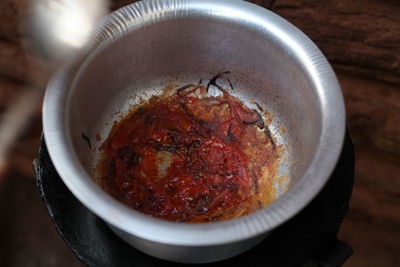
[{"x": 80, "y": 183}]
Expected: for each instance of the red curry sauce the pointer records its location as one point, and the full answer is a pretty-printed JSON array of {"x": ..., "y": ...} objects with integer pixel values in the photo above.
[{"x": 190, "y": 157}]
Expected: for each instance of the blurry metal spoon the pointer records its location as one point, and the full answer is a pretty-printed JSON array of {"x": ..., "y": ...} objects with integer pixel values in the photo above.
[{"x": 60, "y": 28}]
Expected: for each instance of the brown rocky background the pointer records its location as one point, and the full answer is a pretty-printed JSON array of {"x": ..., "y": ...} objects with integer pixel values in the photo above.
[{"x": 361, "y": 38}]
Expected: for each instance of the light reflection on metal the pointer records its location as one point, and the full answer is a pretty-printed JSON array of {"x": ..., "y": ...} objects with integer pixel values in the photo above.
[{"x": 62, "y": 26}]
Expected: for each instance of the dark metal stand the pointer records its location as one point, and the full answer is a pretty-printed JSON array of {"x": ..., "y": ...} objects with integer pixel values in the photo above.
[{"x": 308, "y": 239}]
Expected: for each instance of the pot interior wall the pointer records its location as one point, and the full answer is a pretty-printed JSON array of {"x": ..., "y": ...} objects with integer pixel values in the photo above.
[{"x": 184, "y": 50}]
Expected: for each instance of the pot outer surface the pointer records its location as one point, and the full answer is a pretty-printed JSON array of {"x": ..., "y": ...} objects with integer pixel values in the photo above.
[{"x": 308, "y": 238}]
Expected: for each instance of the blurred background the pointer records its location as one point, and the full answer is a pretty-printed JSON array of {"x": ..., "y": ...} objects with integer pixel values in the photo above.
[{"x": 361, "y": 38}]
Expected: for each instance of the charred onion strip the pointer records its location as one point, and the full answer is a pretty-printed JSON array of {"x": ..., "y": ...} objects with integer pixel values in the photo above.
[
  {"x": 84, "y": 137},
  {"x": 194, "y": 87},
  {"x": 213, "y": 82},
  {"x": 259, "y": 107},
  {"x": 183, "y": 88},
  {"x": 230, "y": 83},
  {"x": 214, "y": 79},
  {"x": 200, "y": 122},
  {"x": 259, "y": 121},
  {"x": 269, "y": 136}
]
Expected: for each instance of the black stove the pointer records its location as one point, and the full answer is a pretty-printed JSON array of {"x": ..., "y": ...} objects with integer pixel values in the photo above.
[{"x": 308, "y": 239}]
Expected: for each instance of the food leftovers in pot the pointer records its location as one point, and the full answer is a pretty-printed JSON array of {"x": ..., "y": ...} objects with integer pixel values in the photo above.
[{"x": 190, "y": 156}]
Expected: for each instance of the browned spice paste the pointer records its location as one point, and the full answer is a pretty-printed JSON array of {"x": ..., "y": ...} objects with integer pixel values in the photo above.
[{"x": 191, "y": 157}]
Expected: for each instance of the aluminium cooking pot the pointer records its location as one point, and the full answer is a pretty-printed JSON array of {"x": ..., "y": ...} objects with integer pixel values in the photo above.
[{"x": 136, "y": 51}]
